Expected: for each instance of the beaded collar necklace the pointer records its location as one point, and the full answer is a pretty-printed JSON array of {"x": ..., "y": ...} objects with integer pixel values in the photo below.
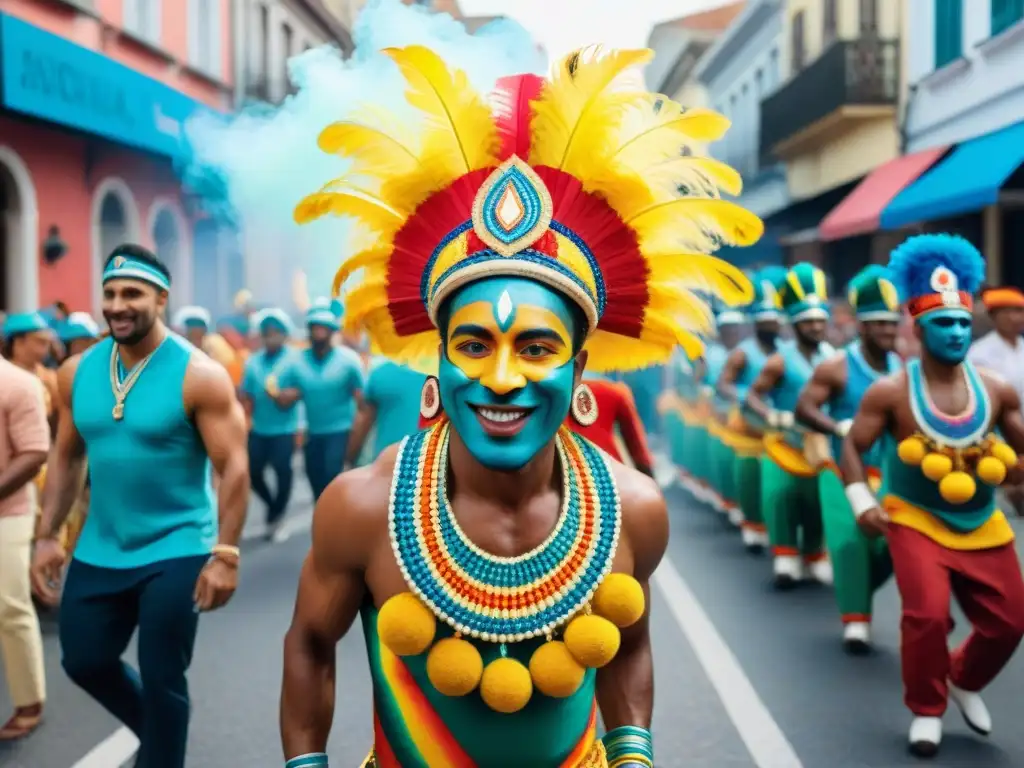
[
  {"x": 502, "y": 599},
  {"x": 955, "y": 431}
]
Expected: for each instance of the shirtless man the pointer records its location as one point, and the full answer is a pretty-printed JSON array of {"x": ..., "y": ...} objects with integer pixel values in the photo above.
[
  {"x": 941, "y": 463},
  {"x": 477, "y": 659},
  {"x": 827, "y": 405}
]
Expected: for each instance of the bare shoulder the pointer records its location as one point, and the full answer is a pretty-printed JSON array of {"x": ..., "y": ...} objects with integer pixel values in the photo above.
[
  {"x": 832, "y": 368},
  {"x": 66, "y": 376},
  {"x": 997, "y": 385},
  {"x": 351, "y": 515},
  {"x": 775, "y": 363},
  {"x": 644, "y": 518},
  {"x": 206, "y": 380},
  {"x": 886, "y": 391}
]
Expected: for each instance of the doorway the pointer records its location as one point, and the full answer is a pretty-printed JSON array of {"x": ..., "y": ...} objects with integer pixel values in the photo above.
[{"x": 167, "y": 241}]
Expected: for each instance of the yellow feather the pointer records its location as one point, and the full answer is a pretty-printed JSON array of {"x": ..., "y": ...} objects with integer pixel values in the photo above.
[
  {"x": 580, "y": 109},
  {"x": 375, "y": 214},
  {"x": 700, "y": 173},
  {"x": 699, "y": 271},
  {"x": 686, "y": 309},
  {"x": 702, "y": 223},
  {"x": 370, "y": 149},
  {"x": 368, "y": 258},
  {"x": 650, "y": 135},
  {"x": 459, "y": 133}
]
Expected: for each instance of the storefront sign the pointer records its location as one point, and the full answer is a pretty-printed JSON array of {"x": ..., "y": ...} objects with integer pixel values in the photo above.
[{"x": 50, "y": 78}]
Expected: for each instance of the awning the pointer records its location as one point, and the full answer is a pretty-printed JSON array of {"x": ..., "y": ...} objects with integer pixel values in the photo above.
[
  {"x": 861, "y": 211},
  {"x": 969, "y": 179}
]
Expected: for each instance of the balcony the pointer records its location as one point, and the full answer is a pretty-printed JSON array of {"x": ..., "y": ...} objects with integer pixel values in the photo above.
[{"x": 852, "y": 80}]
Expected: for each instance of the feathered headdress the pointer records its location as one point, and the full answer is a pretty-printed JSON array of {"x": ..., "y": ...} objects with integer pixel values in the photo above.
[
  {"x": 872, "y": 294},
  {"x": 579, "y": 182},
  {"x": 936, "y": 272},
  {"x": 767, "y": 304},
  {"x": 804, "y": 293}
]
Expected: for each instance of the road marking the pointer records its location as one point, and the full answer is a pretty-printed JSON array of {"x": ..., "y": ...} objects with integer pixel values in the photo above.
[
  {"x": 113, "y": 751},
  {"x": 765, "y": 741}
]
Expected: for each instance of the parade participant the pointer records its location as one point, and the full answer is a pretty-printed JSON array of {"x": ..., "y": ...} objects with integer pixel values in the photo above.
[
  {"x": 27, "y": 343},
  {"x": 611, "y": 417},
  {"x": 391, "y": 408},
  {"x": 731, "y": 325},
  {"x": 152, "y": 413},
  {"x": 77, "y": 333},
  {"x": 329, "y": 379},
  {"x": 936, "y": 508},
  {"x": 521, "y": 246},
  {"x": 789, "y": 486},
  {"x": 689, "y": 435},
  {"x": 269, "y": 392},
  {"x": 827, "y": 405},
  {"x": 1002, "y": 350},
  {"x": 741, "y": 369},
  {"x": 196, "y": 325},
  {"x": 24, "y": 442}
]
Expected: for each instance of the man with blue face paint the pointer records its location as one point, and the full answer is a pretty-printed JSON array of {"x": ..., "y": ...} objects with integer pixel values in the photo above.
[
  {"x": 498, "y": 560},
  {"x": 789, "y": 486},
  {"x": 950, "y": 432}
]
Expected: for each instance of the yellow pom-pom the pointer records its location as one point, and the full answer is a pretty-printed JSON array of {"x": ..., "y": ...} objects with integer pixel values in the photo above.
[
  {"x": 936, "y": 466},
  {"x": 957, "y": 487},
  {"x": 405, "y": 625},
  {"x": 912, "y": 451},
  {"x": 592, "y": 640},
  {"x": 555, "y": 672},
  {"x": 506, "y": 686},
  {"x": 1004, "y": 453},
  {"x": 620, "y": 599},
  {"x": 454, "y": 666},
  {"x": 991, "y": 470}
]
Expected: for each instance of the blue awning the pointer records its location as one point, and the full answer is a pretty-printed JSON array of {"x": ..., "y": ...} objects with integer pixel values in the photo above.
[{"x": 969, "y": 179}]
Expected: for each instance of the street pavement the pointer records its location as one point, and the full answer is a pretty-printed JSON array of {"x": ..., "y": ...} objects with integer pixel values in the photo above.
[{"x": 745, "y": 676}]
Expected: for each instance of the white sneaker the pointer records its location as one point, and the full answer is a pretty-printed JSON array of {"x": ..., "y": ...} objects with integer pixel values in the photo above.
[
  {"x": 857, "y": 638},
  {"x": 736, "y": 516},
  {"x": 788, "y": 571},
  {"x": 821, "y": 572},
  {"x": 971, "y": 706},
  {"x": 754, "y": 541},
  {"x": 925, "y": 736},
  {"x": 278, "y": 532}
]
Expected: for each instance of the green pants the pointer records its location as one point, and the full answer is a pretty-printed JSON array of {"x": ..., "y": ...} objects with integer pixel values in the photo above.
[
  {"x": 723, "y": 461},
  {"x": 861, "y": 565},
  {"x": 792, "y": 510},
  {"x": 747, "y": 479},
  {"x": 698, "y": 460},
  {"x": 675, "y": 428}
]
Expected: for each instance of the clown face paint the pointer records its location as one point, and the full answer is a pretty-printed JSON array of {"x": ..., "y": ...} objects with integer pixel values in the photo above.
[
  {"x": 946, "y": 335},
  {"x": 506, "y": 375}
]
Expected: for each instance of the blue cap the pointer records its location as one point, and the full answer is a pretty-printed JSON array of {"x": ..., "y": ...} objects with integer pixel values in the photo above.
[
  {"x": 272, "y": 319},
  {"x": 26, "y": 322},
  {"x": 79, "y": 325},
  {"x": 193, "y": 317}
]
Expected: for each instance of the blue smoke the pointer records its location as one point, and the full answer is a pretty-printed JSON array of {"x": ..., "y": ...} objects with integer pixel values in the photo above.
[{"x": 251, "y": 169}]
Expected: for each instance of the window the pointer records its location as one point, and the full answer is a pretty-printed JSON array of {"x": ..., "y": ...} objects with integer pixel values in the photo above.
[
  {"x": 948, "y": 31},
  {"x": 142, "y": 19},
  {"x": 759, "y": 84},
  {"x": 798, "y": 54},
  {"x": 829, "y": 22},
  {"x": 869, "y": 17},
  {"x": 204, "y": 25},
  {"x": 287, "y": 49},
  {"x": 1006, "y": 13},
  {"x": 773, "y": 69},
  {"x": 264, "y": 43}
]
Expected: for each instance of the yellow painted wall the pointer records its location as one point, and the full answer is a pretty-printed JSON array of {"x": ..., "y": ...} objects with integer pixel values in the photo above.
[
  {"x": 890, "y": 14},
  {"x": 843, "y": 157}
]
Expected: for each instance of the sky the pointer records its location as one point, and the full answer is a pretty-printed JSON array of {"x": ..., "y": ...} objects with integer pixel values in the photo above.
[{"x": 577, "y": 23}]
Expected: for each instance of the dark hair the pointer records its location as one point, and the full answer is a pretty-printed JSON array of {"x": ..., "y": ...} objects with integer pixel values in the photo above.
[{"x": 137, "y": 252}]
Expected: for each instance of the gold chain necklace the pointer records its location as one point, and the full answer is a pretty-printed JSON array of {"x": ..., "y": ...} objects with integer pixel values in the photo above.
[{"x": 122, "y": 388}]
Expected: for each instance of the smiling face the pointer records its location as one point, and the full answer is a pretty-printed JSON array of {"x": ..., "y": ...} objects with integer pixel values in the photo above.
[
  {"x": 131, "y": 308},
  {"x": 508, "y": 368},
  {"x": 945, "y": 334}
]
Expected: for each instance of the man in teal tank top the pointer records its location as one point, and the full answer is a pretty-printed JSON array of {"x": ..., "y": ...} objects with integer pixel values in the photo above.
[
  {"x": 269, "y": 393},
  {"x": 950, "y": 434},
  {"x": 827, "y": 405},
  {"x": 789, "y": 486},
  {"x": 152, "y": 413},
  {"x": 746, "y": 429},
  {"x": 390, "y": 408},
  {"x": 329, "y": 379},
  {"x": 500, "y": 562}
]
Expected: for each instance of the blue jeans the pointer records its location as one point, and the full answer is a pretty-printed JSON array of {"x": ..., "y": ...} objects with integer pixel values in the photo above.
[
  {"x": 325, "y": 457},
  {"x": 274, "y": 451},
  {"x": 99, "y": 611}
]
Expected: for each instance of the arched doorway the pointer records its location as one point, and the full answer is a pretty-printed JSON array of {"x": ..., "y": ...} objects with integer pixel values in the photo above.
[
  {"x": 167, "y": 239},
  {"x": 19, "y": 286},
  {"x": 115, "y": 221},
  {"x": 113, "y": 224}
]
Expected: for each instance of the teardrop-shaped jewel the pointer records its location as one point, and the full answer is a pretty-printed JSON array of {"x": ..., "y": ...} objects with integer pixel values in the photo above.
[{"x": 510, "y": 209}]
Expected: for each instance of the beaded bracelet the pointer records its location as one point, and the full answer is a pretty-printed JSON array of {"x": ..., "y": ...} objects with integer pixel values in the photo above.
[
  {"x": 629, "y": 745},
  {"x": 311, "y": 760}
]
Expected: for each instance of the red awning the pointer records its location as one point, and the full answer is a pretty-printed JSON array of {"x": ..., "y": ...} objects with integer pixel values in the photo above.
[{"x": 860, "y": 211}]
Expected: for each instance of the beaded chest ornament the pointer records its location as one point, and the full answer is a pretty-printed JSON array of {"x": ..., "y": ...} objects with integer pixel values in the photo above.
[{"x": 565, "y": 582}]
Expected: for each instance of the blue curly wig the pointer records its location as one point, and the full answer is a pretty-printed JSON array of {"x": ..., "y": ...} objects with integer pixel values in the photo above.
[{"x": 911, "y": 265}]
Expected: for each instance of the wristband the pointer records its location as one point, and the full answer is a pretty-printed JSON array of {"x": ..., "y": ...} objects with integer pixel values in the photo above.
[
  {"x": 311, "y": 760},
  {"x": 861, "y": 498},
  {"x": 843, "y": 428},
  {"x": 629, "y": 745}
]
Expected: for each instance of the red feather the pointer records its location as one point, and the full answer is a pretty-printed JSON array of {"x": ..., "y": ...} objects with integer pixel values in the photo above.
[{"x": 511, "y": 105}]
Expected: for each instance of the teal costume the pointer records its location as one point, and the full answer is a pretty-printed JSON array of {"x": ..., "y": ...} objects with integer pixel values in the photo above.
[{"x": 722, "y": 453}]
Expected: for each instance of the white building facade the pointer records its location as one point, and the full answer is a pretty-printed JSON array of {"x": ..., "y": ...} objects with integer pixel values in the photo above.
[
  {"x": 738, "y": 72},
  {"x": 965, "y": 65}
]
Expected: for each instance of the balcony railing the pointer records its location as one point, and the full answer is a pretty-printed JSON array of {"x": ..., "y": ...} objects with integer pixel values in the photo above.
[{"x": 862, "y": 72}]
